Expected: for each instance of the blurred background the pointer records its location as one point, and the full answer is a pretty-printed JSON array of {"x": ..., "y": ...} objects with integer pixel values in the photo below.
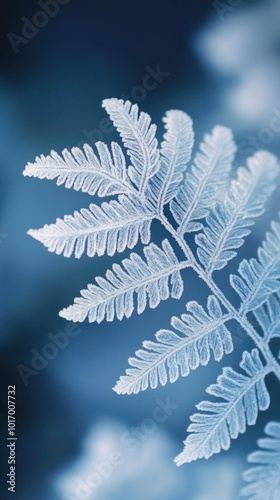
[{"x": 218, "y": 63}]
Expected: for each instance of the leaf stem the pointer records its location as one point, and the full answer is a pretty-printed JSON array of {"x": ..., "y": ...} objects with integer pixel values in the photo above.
[{"x": 240, "y": 318}]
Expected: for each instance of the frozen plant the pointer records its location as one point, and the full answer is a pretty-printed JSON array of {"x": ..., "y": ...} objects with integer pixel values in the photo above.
[
  {"x": 264, "y": 478},
  {"x": 203, "y": 201}
]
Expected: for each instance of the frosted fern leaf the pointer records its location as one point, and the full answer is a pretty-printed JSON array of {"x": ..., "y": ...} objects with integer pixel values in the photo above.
[
  {"x": 84, "y": 171},
  {"x": 138, "y": 135},
  {"x": 113, "y": 295},
  {"x": 217, "y": 423},
  {"x": 227, "y": 225},
  {"x": 264, "y": 476},
  {"x": 203, "y": 197},
  {"x": 176, "y": 150},
  {"x": 208, "y": 174},
  {"x": 174, "y": 354},
  {"x": 259, "y": 278},
  {"x": 268, "y": 317},
  {"x": 109, "y": 228}
]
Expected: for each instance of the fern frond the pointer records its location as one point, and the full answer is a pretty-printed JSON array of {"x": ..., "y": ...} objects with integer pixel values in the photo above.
[
  {"x": 156, "y": 280},
  {"x": 139, "y": 137},
  {"x": 84, "y": 171},
  {"x": 208, "y": 174},
  {"x": 176, "y": 354},
  {"x": 227, "y": 224},
  {"x": 259, "y": 278},
  {"x": 243, "y": 396},
  {"x": 109, "y": 228},
  {"x": 264, "y": 477},
  {"x": 268, "y": 317},
  {"x": 176, "y": 150},
  {"x": 145, "y": 181}
]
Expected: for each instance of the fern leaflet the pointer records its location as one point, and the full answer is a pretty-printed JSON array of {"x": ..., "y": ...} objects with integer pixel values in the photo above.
[
  {"x": 209, "y": 174},
  {"x": 259, "y": 279},
  {"x": 228, "y": 223},
  {"x": 244, "y": 395},
  {"x": 176, "y": 354},
  {"x": 264, "y": 477},
  {"x": 138, "y": 136},
  {"x": 110, "y": 228},
  {"x": 113, "y": 296},
  {"x": 175, "y": 155},
  {"x": 84, "y": 171},
  {"x": 268, "y": 317}
]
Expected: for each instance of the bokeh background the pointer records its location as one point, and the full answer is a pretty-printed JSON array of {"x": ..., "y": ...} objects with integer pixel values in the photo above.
[{"x": 221, "y": 66}]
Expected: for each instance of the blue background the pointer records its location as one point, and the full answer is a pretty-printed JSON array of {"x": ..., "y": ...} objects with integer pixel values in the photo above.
[{"x": 223, "y": 68}]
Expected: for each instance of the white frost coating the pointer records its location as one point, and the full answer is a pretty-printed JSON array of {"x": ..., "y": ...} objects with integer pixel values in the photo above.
[
  {"x": 264, "y": 477},
  {"x": 113, "y": 295},
  {"x": 203, "y": 199}
]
